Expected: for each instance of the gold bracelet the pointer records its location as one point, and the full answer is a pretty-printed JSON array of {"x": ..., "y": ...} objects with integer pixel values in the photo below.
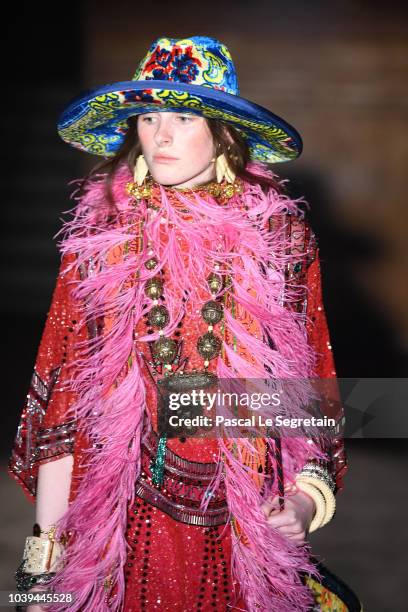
[{"x": 40, "y": 556}]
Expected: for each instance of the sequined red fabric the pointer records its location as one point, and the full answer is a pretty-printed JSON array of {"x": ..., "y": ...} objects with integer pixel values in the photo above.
[{"x": 175, "y": 562}]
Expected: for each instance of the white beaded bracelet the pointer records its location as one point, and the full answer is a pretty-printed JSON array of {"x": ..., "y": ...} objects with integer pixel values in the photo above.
[{"x": 320, "y": 492}]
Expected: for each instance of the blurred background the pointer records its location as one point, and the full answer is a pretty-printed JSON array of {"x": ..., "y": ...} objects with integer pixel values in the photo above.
[{"x": 338, "y": 72}]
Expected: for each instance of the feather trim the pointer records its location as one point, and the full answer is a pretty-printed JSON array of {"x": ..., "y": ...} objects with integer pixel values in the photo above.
[{"x": 198, "y": 235}]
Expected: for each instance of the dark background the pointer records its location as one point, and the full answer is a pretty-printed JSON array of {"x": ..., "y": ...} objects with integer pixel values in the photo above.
[{"x": 338, "y": 72}]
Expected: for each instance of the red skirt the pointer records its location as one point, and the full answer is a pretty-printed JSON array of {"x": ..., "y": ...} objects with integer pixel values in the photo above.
[
  {"x": 172, "y": 566},
  {"x": 179, "y": 557}
]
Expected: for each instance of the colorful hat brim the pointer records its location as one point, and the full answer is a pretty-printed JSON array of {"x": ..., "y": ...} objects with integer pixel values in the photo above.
[{"x": 96, "y": 120}]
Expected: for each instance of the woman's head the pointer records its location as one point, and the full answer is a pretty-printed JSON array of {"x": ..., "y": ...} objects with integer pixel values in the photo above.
[{"x": 96, "y": 120}]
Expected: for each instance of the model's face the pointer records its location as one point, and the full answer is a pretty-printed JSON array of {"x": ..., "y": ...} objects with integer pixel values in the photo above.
[{"x": 185, "y": 139}]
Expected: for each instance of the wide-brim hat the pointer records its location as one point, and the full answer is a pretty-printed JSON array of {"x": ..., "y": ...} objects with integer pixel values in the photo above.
[{"x": 194, "y": 75}]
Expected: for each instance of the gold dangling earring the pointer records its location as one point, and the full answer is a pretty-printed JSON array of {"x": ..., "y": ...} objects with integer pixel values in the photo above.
[
  {"x": 141, "y": 170},
  {"x": 222, "y": 169}
]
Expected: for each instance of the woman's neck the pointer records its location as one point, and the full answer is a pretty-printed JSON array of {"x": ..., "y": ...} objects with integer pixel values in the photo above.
[{"x": 205, "y": 177}]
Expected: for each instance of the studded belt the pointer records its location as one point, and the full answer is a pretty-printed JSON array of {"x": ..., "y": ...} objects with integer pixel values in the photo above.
[{"x": 183, "y": 488}]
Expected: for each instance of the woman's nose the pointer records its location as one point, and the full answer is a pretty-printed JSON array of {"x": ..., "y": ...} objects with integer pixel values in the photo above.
[{"x": 163, "y": 135}]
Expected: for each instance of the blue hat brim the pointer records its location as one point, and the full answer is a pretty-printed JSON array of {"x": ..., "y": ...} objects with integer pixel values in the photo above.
[{"x": 95, "y": 121}]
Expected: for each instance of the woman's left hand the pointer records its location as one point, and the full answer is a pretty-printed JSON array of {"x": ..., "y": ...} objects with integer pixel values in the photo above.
[{"x": 294, "y": 521}]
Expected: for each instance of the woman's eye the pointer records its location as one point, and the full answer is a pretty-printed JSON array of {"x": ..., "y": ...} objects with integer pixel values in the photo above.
[
  {"x": 147, "y": 119},
  {"x": 185, "y": 118}
]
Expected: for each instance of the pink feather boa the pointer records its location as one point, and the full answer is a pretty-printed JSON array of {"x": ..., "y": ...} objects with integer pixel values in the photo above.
[{"x": 111, "y": 390}]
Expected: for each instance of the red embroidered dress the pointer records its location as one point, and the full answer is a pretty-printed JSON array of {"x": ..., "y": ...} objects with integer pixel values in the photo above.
[{"x": 179, "y": 556}]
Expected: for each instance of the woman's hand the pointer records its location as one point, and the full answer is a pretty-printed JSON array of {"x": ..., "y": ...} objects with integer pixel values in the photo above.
[{"x": 294, "y": 521}]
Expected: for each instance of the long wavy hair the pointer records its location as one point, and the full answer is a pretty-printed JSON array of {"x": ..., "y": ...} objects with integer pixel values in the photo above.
[{"x": 227, "y": 139}]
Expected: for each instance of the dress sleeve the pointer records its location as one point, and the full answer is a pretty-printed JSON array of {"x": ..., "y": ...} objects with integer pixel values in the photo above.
[
  {"x": 319, "y": 338},
  {"x": 45, "y": 433},
  {"x": 304, "y": 273}
]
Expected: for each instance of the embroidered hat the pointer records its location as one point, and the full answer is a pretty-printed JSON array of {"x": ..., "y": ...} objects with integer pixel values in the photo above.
[{"x": 194, "y": 75}]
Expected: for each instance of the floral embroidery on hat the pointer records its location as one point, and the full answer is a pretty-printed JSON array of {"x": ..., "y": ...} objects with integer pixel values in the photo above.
[{"x": 179, "y": 65}]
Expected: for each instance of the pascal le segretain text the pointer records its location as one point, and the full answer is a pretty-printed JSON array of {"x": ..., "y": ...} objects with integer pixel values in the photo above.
[{"x": 255, "y": 420}]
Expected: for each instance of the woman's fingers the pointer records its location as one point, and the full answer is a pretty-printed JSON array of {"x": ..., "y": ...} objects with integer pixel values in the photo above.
[
  {"x": 287, "y": 521},
  {"x": 270, "y": 505},
  {"x": 296, "y": 534},
  {"x": 280, "y": 519}
]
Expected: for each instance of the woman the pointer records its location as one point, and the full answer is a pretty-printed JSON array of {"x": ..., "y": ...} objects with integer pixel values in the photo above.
[{"x": 184, "y": 264}]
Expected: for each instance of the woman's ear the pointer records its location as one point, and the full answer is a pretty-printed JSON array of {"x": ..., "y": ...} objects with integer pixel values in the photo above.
[{"x": 227, "y": 135}]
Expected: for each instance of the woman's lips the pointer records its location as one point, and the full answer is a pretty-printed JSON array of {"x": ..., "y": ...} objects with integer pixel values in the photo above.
[{"x": 163, "y": 159}]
